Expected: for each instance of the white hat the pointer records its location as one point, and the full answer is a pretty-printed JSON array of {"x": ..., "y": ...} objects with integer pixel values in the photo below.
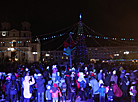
[
  {"x": 73, "y": 68},
  {"x": 80, "y": 73},
  {"x": 54, "y": 66},
  {"x": 26, "y": 69},
  {"x": 133, "y": 82},
  {"x": 114, "y": 72},
  {"x": 127, "y": 73},
  {"x": 9, "y": 74},
  {"x": 135, "y": 71},
  {"x": 39, "y": 74},
  {"x": 85, "y": 68}
]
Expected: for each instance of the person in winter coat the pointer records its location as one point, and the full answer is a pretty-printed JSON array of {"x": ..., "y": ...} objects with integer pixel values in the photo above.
[
  {"x": 46, "y": 75},
  {"x": 73, "y": 88},
  {"x": 67, "y": 80},
  {"x": 107, "y": 79},
  {"x": 95, "y": 86},
  {"x": 8, "y": 80},
  {"x": 114, "y": 77},
  {"x": 27, "y": 83},
  {"x": 55, "y": 92},
  {"x": 48, "y": 95},
  {"x": 82, "y": 86},
  {"x": 58, "y": 78},
  {"x": 132, "y": 76},
  {"x": 13, "y": 87},
  {"x": 124, "y": 86},
  {"x": 102, "y": 92},
  {"x": 40, "y": 87},
  {"x": 100, "y": 75},
  {"x": 63, "y": 87},
  {"x": 133, "y": 92},
  {"x": 110, "y": 95},
  {"x": 122, "y": 74}
]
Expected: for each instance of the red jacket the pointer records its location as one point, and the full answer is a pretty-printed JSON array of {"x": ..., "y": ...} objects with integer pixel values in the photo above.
[
  {"x": 55, "y": 91},
  {"x": 117, "y": 91}
]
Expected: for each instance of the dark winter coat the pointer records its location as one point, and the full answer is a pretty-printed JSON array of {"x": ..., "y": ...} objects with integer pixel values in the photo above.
[
  {"x": 107, "y": 80},
  {"x": 48, "y": 95},
  {"x": 46, "y": 75},
  {"x": 40, "y": 84},
  {"x": 124, "y": 86},
  {"x": 110, "y": 93},
  {"x": 13, "y": 82}
]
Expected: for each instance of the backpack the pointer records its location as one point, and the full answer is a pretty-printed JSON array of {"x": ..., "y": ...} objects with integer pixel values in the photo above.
[{"x": 13, "y": 87}]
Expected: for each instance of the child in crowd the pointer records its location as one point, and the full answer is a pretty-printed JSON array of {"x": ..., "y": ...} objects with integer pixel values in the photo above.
[
  {"x": 55, "y": 92},
  {"x": 133, "y": 92},
  {"x": 110, "y": 94},
  {"x": 102, "y": 92},
  {"x": 48, "y": 95}
]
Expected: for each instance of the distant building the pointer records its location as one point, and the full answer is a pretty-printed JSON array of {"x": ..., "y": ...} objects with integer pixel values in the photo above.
[
  {"x": 115, "y": 52},
  {"x": 99, "y": 53},
  {"x": 55, "y": 57},
  {"x": 17, "y": 45}
]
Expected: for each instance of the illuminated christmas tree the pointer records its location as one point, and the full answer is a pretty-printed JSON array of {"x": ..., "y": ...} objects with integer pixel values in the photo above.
[{"x": 80, "y": 54}]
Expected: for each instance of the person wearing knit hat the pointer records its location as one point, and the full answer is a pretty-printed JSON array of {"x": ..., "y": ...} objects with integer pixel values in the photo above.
[
  {"x": 133, "y": 91},
  {"x": 63, "y": 87},
  {"x": 40, "y": 81},
  {"x": 114, "y": 77},
  {"x": 55, "y": 92},
  {"x": 48, "y": 95},
  {"x": 102, "y": 92},
  {"x": 100, "y": 75},
  {"x": 82, "y": 85}
]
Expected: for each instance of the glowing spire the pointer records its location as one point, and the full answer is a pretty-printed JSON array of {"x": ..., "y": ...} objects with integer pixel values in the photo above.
[{"x": 80, "y": 17}]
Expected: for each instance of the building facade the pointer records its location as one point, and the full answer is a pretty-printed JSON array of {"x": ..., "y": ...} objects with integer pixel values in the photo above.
[
  {"x": 17, "y": 45},
  {"x": 55, "y": 57},
  {"x": 98, "y": 53},
  {"x": 114, "y": 52}
]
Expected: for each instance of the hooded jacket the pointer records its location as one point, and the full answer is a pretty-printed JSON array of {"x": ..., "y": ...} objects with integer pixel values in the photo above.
[
  {"x": 55, "y": 91},
  {"x": 117, "y": 91},
  {"x": 40, "y": 84},
  {"x": 94, "y": 84}
]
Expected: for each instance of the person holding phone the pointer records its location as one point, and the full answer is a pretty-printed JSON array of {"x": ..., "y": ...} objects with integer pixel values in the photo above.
[{"x": 27, "y": 83}]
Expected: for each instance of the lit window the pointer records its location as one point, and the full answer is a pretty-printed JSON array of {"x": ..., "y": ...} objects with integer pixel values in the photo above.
[
  {"x": 62, "y": 57},
  {"x": 20, "y": 41},
  {"x": 47, "y": 54},
  {"x": 34, "y": 53},
  {"x": 66, "y": 57},
  {"x": 116, "y": 54}
]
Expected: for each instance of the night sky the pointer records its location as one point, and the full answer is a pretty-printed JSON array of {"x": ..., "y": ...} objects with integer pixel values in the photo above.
[{"x": 114, "y": 18}]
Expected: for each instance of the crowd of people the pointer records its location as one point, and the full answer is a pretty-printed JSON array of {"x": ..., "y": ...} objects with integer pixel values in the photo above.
[{"x": 39, "y": 82}]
